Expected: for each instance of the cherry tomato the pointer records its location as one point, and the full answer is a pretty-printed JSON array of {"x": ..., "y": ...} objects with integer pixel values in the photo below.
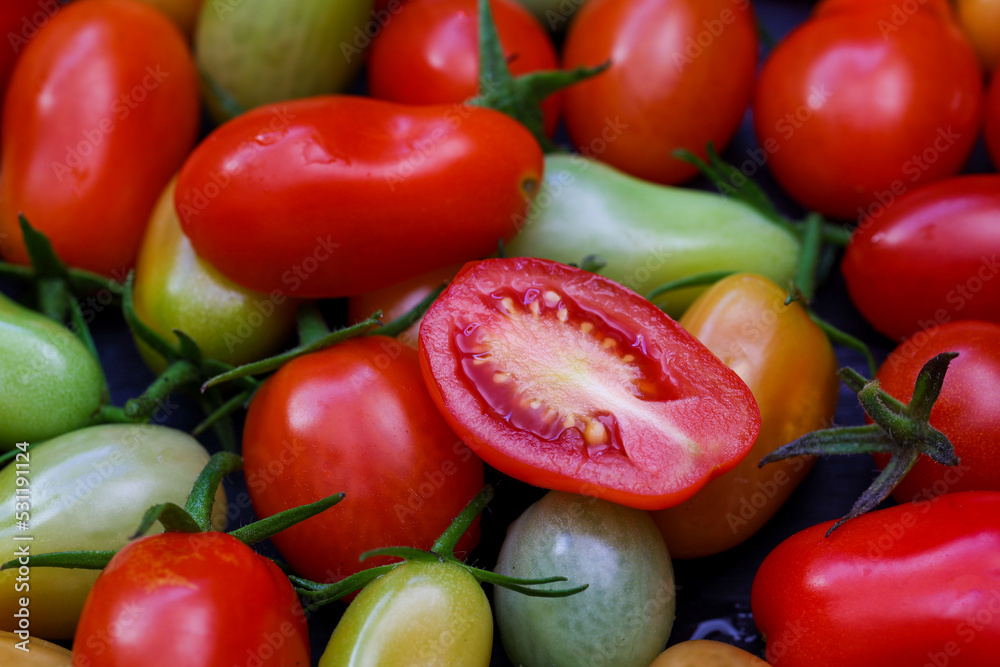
[
  {"x": 855, "y": 107},
  {"x": 967, "y": 410},
  {"x": 355, "y": 418},
  {"x": 429, "y": 52},
  {"x": 706, "y": 653},
  {"x": 980, "y": 20},
  {"x": 567, "y": 380},
  {"x": 193, "y": 599},
  {"x": 993, "y": 120},
  {"x": 176, "y": 289},
  {"x": 790, "y": 367},
  {"x": 929, "y": 258},
  {"x": 417, "y": 613},
  {"x": 335, "y": 196},
  {"x": 915, "y": 584},
  {"x": 681, "y": 75},
  {"x": 103, "y": 109}
]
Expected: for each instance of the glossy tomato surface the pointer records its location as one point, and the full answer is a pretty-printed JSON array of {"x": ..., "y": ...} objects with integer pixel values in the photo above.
[
  {"x": 334, "y": 196},
  {"x": 903, "y": 586},
  {"x": 173, "y": 599},
  {"x": 566, "y": 380},
  {"x": 103, "y": 109},
  {"x": 967, "y": 410},
  {"x": 429, "y": 52},
  {"x": 931, "y": 257},
  {"x": 857, "y": 106},
  {"x": 681, "y": 75},
  {"x": 355, "y": 418}
]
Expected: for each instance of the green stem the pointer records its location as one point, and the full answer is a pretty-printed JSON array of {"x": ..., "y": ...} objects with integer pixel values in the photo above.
[
  {"x": 838, "y": 337},
  {"x": 173, "y": 518},
  {"x": 809, "y": 254},
  {"x": 405, "y": 321},
  {"x": 696, "y": 280},
  {"x": 179, "y": 374},
  {"x": 76, "y": 560},
  {"x": 323, "y": 594},
  {"x": 201, "y": 500},
  {"x": 235, "y": 403},
  {"x": 445, "y": 544},
  {"x": 272, "y": 525},
  {"x": 311, "y": 325}
]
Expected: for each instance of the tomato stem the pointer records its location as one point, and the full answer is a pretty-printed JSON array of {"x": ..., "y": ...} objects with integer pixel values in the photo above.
[
  {"x": 809, "y": 256},
  {"x": 75, "y": 560},
  {"x": 445, "y": 544},
  {"x": 310, "y": 323},
  {"x": 274, "y": 524},
  {"x": 173, "y": 518},
  {"x": 696, "y": 280},
  {"x": 406, "y": 320},
  {"x": 178, "y": 374},
  {"x": 201, "y": 500},
  {"x": 838, "y": 337}
]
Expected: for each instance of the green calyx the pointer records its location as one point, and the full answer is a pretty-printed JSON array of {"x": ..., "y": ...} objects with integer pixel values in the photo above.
[
  {"x": 443, "y": 551},
  {"x": 900, "y": 429}
]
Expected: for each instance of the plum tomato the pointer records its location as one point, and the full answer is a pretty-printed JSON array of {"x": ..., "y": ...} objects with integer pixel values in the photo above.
[{"x": 566, "y": 380}]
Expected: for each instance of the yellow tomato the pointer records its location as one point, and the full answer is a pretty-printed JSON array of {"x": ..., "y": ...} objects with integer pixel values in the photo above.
[{"x": 705, "y": 653}]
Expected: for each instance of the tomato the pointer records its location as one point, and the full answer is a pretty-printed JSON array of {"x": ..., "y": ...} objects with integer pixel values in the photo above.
[
  {"x": 967, "y": 410},
  {"x": 359, "y": 193},
  {"x": 35, "y": 653},
  {"x": 20, "y": 21},
  {"x": 194, "y": 599},
  {"x": 939, "y": 7},
  {"x": 566, "y": 380},
  {"x": 355, "y": 418},
  {"x": 51, "y": 382},
  {"x": 429, "y": 53},
  {"x": 259, "y": 52},
  {"x": 914, "y": 584},
  {"x": 980, "y": 20},
  {"x": 176, "y": 289},
  {"x": 648, "y": 234},
  {"x": 104, "y": 108},
  {"x": 790, "y": 367},
  {"x": 929, "y": 258},
  {"x": 993, "y": 121},
  {"x": 397, "y": 300},
  {"x": 417, "y": 613},
  {"x": 184, "y": 13},
  {"x": 855, "y": 107},
  {"x": 88, "y": 490},
  {"x": 706, "y": 653},
  {"x": 681, "y": 75},
  {"x": 622, "y": 619}
]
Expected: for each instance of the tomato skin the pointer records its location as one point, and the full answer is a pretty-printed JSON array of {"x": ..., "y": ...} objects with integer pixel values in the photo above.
[
  {"x": 993, "y": 120},
  {"x": 176, "y": 289},
  {"x": 706, "y": 653},
  {"x": 385, "y": 192},
  {"x": 664, "y": 90},
  {"x": 144, "y": 602},
  {"x": 20, "y": 21},
  {"x": 851, "y": 83},
  {"x": 104, "y": 108},
  {"x": 967, "y": 410},
  {"x": 434, "y": 613},
  {"x": 790, "y": 367},
  {"x": 326, "y": 423},
  {"x": 89, "y": 490},
  {"x": 623, "y": 618},
  {"x": 40, "y": 654},
  {"x": 182, "y": 12},
  {"x": 980, "y": 20},
  {"x": 643, "y": 456},
  {"x": 429, "y": 52},
  {"x": 892, "y": 587},
  {"x": 930, "y": 258}
]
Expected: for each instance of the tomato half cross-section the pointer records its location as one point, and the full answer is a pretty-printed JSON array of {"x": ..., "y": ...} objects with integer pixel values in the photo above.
[{"x": 566, "y": 380}]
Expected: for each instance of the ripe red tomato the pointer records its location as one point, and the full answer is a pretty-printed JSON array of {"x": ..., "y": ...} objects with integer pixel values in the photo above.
[
  {"x": 193, "y": 599},
  {"x": 102, "y": 109},
  {"x": 20, "y": 21},
  {"x": 993, "y": 120},
  {"x": 967, "y": 411},
  {"x": 857, "y": 106},
  {"x": 429, "y": 52},
  {"x": 915, "y": 584},
  {"x": 567, "y": 380},
  {"x": 681, "y": 75},
  {"x": 355, "y": 418},
  {"x": 338, "y": 195},
  {"x": 929, "y": 258}
]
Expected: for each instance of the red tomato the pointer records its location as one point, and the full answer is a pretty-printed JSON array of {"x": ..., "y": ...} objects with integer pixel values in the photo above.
[
  {"x": 916, "y": 584},
  {"x": 103, "y": 108},
  {"x": 939, "y": 7},
  {"x": 355, "y": 418},
  {"x": 929, "y": 258},
  {"x": 334, "y": 196},
  {"x": 429, "y": 52},
  {"x": 855, "y": 107},
  {"x": 20, "y": 21},
  {"x": 681, "y": 75},
  {"x": 567, "y": 380},
  {"x": 192, "y": 599},
  {"x": 967, "y": 411},
  {"x": 993, "y": 120}
]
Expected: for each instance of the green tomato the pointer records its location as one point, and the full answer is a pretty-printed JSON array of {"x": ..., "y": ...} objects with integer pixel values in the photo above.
[
  {"x": 622, "y": 619},
  {"x": 86, "y": 490},
  {"x": 431, "y": 614},
  {"x": 262, "y": 51},
  {"x": 50, "y": 383},
  {"x": 176, "y": 289},
  {"x": 648, "y": 234}
]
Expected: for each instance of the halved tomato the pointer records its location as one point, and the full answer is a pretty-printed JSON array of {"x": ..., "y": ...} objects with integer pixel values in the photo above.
[{"x": 567, "y": 380}]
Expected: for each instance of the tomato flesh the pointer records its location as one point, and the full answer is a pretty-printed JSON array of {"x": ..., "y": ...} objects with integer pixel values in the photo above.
[{"x": 567, "y": 380}]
